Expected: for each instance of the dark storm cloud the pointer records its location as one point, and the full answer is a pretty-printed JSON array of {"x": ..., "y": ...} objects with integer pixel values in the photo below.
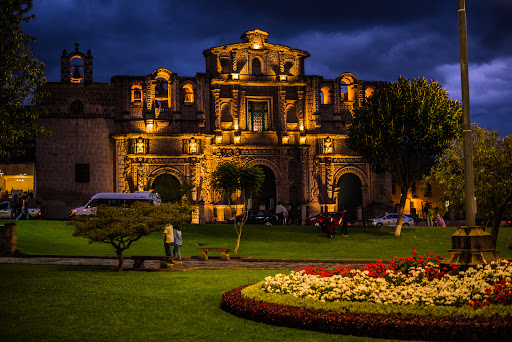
[{"x": 374, "y": 39}]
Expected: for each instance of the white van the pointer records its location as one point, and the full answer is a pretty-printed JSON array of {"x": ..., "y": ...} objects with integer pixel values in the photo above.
[{"x": 115, "y": 199}]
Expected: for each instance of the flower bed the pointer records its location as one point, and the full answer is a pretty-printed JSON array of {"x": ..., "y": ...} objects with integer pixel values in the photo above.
[
  {"x": 411, "y": 280},
  {"x": 416, "y": 282}
]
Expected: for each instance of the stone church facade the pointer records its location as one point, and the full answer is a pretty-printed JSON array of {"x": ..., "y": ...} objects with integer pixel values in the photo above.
[{"x": 254, "y": 104}]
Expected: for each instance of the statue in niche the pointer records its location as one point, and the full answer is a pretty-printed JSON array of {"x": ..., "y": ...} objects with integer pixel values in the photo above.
[
  {"x": 139, "y": 146},
  {"x": 328, "y": 145},
  {"x": 193, "y": 145}
]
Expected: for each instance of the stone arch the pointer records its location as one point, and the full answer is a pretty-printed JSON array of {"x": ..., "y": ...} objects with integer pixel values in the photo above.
[
  {"x": 351, "y": 169},
  {"x": 187, "y": 91},
  {"x": 257, "y": 66},
  {"x": 162, "y": 171},
  {"x": 325, "y": 95},
  {"x": 77, "y": 65},
  {"x": 136, "y": 91},
  {"x": 356, "y": 175},
  {"x": 291, "y": 114},
  {"x": 226, "y": 117},
  {"x": 279, "y": 176},
  {"x": 348, "y": 85},
  {"x": 161, "y": 73}
]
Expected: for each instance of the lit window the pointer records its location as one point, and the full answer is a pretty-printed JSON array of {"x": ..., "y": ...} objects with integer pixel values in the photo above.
[
  {"x": 258, "y": 116},
  {"x": 325, "y": 96},
  {"x": 188, "y": 94},
  {"x": 136, "y": 93}
]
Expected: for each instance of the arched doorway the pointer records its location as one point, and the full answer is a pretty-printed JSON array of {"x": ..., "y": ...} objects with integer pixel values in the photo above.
[
  {"x": 168, "y": 187},
  {"x": 267, "y": 196},
  {"x": 350, "y": 194}
]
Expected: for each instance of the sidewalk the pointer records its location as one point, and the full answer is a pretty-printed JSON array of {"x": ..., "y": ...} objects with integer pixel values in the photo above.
[{"x": 189, "y": 263}]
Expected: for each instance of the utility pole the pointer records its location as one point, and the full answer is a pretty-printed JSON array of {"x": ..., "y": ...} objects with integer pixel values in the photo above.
[{"x": 469, "y": 186}]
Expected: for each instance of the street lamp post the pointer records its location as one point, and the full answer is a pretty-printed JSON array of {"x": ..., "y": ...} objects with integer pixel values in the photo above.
[
  {"x": 471, "y": 245},
  {"x": 466, "y": 117}
]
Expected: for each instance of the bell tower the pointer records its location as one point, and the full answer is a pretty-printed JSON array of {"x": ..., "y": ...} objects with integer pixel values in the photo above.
[{"x": 76, "y": 67}]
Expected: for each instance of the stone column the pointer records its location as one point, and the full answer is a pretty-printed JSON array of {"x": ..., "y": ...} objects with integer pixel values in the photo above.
[{"x": 8, "y": 239}]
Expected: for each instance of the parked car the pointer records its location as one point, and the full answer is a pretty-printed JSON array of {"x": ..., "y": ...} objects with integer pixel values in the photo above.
[
  {"x": 5, "y": 211},
  {"x": 257, "y": 216},
  {"x": 390, "y": 220},
  {"x": 319, "y": 219},
  {"x": 115, "y": 199}
]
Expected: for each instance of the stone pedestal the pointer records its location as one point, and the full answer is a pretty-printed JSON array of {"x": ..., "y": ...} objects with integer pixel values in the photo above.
[
  {"x": 8, "y": 239},
  {"x": 470, "y": 247}
]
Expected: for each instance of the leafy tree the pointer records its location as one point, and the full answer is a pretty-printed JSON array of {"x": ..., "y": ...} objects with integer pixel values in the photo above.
[
  {"x": 403, "y": 129},
  {"x": 20, "y": 75},
  {"x": 492, "y": 164},
  {"x": 229, "y": 179},
  {"x": 121, "y": 226}
]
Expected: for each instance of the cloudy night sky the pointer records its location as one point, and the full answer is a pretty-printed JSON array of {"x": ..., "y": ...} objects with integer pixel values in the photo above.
[{"x": 373, "y": 39}]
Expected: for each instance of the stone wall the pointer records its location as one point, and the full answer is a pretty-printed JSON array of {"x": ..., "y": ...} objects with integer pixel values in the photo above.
[{"x": 74, "y": 141}]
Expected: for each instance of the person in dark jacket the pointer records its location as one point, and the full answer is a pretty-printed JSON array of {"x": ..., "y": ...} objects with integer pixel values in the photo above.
[{"x": 331, "y": 227}]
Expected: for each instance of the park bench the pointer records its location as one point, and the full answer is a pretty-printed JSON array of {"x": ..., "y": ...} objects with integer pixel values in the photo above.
[
  {"x": 203, "y": 253},
  {"x": 138, "y": 260}
]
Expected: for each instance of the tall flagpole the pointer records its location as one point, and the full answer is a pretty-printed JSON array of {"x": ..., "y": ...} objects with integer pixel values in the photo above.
[{"x": 469, "y": 186}]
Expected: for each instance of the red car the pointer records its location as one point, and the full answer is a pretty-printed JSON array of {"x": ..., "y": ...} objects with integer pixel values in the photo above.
[{"x": 320, "y": 218}]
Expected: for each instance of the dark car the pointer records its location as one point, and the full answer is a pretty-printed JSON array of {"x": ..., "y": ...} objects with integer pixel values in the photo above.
[
  {"x": 319, "y": 219},
  {"x": 257, "y": 217}
]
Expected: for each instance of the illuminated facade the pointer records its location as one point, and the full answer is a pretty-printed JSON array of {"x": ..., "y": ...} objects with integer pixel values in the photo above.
[{"x": 254, "y": 104}]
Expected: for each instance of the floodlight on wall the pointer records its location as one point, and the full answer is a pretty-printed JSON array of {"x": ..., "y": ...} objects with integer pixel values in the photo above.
[
  {"x": 235, "y": 124},
  {"x": 235, "y": 76},
  {"x": 301, "y": 125},
  {"x": 285, "y": 138},
  {"x": 237, "y": 137},
  {"x": 282, "y": 77},
  {"x": 302, "y": 138},
  {"x": 150, "y": 125},
  {"x": 218, "y": 138}
]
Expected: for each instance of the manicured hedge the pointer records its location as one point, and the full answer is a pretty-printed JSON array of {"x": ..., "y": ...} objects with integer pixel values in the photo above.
[{"x": 370, "y": 325}]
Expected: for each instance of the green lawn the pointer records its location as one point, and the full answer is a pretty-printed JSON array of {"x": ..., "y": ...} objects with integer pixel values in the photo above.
[
  {"x": 65, "y": 303},
  {"x": 305, "y": 242}
]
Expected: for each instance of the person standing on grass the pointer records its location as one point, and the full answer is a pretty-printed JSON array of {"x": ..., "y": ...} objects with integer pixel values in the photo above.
[
  {"x": 168, "y": 240},
  {"x": 280, "y": 212},
  {"x": 331, "y": 227},
  {"x": 14, "y": 206},
  {"x": 177, "y": 244},
  {"x": 344, "y": 223}
]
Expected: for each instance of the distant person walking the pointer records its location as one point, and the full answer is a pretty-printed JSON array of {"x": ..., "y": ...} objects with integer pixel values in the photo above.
[
  {"x": 177, "y": 244},
  {"x": 280, "y": 212},
  {"x": 24, "y": 208}
]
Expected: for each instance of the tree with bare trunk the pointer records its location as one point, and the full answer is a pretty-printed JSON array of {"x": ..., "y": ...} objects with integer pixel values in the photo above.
[
  {"x": 230, "y": 179},
  {"x": 122, "y": 226}
]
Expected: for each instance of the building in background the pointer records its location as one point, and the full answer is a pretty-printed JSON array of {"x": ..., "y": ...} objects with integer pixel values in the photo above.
[{"x": 254, "y": 104}]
